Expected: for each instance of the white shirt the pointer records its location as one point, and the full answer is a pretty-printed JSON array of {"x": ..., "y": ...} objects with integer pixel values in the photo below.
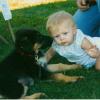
[{"x": 74, "y": 52}]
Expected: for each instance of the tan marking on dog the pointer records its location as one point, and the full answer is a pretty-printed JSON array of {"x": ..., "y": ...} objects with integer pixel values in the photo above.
[{"x": 36, "y": 47}]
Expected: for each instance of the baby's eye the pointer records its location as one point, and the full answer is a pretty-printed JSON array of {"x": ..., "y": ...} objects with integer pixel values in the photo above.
[
  {"x": 65, "y": 33},
  {"x": 57, "y": 36}
]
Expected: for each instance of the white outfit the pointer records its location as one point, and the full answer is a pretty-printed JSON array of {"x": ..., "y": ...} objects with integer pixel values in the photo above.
[{"x": 74, "y": 52}]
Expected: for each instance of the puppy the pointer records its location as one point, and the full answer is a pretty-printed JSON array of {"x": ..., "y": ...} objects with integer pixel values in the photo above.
[{"x": 20, "y": 68}]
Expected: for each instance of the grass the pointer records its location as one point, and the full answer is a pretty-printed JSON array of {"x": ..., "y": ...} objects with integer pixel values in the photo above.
[{"x": 35, "y": 17}]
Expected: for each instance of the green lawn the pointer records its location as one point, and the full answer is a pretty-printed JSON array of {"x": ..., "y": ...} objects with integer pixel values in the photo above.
[{"x": 35, "y": 17}]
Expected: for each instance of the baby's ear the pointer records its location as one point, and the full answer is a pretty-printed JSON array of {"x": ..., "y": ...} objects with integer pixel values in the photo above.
[{"x": 74, "y": 29}]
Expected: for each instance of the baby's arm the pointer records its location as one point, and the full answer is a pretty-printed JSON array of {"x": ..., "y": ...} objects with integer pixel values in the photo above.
[
  {"x": 49, "y": 54},
  {"x": 46, "y": 58},
  {"x": 92, "y": 50}
]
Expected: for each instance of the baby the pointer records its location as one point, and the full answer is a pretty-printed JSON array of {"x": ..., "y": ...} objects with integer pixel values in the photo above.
[{"x": 71, "y": 42}]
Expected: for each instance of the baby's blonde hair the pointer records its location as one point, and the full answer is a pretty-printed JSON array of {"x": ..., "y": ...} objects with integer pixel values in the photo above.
[{"x": 56, "y": 19}]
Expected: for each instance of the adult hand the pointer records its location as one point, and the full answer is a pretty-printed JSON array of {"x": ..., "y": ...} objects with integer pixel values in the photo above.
[{"x": 82, "y": 5}]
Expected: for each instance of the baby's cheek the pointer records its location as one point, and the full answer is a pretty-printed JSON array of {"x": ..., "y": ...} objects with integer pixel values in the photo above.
[{"x": 57, "y": 41}]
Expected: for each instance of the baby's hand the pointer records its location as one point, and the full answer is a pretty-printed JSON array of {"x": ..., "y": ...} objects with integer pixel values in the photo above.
[
  {"x": 93, "y": 51},
  {"x": 42, "y": 61}
]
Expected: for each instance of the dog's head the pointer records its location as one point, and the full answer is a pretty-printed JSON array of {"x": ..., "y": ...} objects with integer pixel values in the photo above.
[{"x": 31, "y": 42}]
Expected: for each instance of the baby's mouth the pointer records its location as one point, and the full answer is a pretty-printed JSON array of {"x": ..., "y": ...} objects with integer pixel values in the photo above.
[{"x": 64, "y": 43}]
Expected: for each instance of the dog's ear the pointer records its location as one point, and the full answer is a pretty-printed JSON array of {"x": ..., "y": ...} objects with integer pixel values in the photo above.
[
  {"x": 25, "y": 39},
  {"x": 32, "y": 34}
]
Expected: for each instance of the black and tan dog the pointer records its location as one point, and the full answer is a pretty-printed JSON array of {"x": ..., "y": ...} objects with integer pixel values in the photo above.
[{"x": 20, "y": 67}]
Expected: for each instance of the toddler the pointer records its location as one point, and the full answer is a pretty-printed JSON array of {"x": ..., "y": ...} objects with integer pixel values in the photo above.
[{"x": 71, "y": 42}]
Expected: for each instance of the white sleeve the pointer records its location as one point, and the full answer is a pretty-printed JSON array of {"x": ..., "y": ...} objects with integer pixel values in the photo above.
[{"x": 79, "y": 37}]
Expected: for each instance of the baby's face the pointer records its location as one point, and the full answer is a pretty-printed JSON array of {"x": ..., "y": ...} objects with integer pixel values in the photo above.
[{"x": 64, "y": 34}]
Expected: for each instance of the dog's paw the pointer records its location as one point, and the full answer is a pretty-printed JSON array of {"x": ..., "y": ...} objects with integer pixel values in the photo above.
[{"x": 26, "y": 81}]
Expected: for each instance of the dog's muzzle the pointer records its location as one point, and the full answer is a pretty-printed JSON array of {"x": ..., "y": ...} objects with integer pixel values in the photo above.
[{"x": 37, "y": 59}]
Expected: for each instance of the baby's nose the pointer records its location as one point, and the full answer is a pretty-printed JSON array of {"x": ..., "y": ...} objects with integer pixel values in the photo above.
[{"x": 62, "y": 37}]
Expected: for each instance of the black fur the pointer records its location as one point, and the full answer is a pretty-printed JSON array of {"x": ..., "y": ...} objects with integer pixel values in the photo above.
[{"x": 21, "y": 62}]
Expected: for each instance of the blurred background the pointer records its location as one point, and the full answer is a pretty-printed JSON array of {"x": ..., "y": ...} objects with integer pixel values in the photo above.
[{"x": 15, "y": 4}]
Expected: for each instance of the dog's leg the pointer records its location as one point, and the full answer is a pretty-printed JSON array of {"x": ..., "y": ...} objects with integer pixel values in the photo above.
[
  {"x": 62, "y": 67},
  {"x": 64, "y": 78}
]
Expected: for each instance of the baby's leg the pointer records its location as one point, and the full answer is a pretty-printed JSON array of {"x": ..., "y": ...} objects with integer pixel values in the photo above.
[
  {"x": 62, "y": 67},
  {"x": 65, "y": 78}
]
